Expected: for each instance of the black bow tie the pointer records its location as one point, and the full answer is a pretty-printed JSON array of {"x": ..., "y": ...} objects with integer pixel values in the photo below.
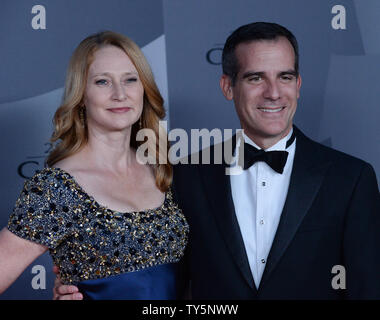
[{"x": 275, "y": 159}]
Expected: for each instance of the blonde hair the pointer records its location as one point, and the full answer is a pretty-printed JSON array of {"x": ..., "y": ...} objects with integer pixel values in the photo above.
[{"x": 69, "y": 123}]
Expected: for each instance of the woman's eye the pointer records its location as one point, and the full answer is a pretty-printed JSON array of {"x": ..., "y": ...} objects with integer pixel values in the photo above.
[
  {"x": 101, "y": 82},
  {"x": 129, "y": 80}
]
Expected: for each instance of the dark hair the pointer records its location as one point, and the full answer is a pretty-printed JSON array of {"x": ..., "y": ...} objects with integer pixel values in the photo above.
[{"x": 253, "y": 32}]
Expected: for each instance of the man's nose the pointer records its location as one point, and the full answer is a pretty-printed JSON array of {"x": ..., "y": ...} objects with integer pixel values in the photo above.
[
  {"x": 119, "y": 92},
  {"x": 272, "y": 90}
]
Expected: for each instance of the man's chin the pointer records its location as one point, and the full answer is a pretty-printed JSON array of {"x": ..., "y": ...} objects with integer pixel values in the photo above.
[{"x": 274, "y": 131}]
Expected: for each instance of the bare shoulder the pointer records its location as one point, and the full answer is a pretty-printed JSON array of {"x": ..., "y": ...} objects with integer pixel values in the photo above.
[
  {"x": 69, "y": 164},
  {"x": 74, "y": 165}
]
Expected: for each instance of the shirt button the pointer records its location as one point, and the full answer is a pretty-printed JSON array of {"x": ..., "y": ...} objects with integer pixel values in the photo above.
[
  {"x": 262, "y": 260},
  {"x": 261, "y": 221},
  {"x": 263, "y": 183}
]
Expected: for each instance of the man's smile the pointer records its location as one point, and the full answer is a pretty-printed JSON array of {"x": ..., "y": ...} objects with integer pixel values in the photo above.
[{"x": 271, "y": 110}]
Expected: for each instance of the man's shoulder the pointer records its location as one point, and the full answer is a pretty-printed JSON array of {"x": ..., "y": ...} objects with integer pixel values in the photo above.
[{"x": 321, "y": 153}]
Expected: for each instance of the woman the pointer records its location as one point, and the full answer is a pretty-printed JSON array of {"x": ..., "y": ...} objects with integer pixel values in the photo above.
[{"x": 110, "y": 223}]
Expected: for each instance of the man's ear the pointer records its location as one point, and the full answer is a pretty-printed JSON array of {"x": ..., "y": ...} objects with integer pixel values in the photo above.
[
  {"x": 299, "y": 82},
  {"x": 226, "y": 86}
]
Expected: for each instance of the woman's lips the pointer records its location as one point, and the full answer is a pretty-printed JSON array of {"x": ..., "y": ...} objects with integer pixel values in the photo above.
[{"x": 119, "y": 110}]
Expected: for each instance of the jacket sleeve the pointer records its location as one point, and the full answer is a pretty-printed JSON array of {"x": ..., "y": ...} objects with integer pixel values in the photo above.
[{"x": 361, "y": 242}]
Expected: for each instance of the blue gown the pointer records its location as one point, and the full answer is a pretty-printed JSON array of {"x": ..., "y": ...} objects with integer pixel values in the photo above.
[{"x": 154, "y": 283}]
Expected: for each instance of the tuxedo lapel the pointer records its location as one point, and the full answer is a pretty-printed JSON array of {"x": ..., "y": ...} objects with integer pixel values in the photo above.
[
  {"x": 218, "y": 189},
  {"x": 307, "y": 176}
]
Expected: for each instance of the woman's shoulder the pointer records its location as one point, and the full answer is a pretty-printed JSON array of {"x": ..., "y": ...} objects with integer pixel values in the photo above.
[
  {"x": 42, "y": 211},
  {"x": 48, "y": 176},
  {"x": 48, "y": 184},
  {"x": 72, "y": 166}
]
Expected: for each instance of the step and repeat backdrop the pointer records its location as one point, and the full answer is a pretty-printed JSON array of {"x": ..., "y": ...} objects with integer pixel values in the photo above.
[{"x": 183, "y": 41}]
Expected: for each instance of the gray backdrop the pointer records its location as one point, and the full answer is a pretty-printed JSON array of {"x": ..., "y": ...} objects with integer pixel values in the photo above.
[{"x": 182, "y": 40}]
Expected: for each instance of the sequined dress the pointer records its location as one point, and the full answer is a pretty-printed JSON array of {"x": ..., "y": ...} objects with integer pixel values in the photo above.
[{"x": 107, "y": 254}]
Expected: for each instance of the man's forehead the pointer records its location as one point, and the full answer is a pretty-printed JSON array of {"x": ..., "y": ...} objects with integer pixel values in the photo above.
[
  {"x": 276, "y": 52},
  {"x": 251, "y": 44}
]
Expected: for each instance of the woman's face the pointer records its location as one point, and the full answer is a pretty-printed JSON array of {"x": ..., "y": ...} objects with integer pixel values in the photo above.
[{"x": 114, "y": 93}]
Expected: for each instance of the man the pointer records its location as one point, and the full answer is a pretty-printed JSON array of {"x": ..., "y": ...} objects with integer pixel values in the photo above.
[{"x": 297, "y": 213}]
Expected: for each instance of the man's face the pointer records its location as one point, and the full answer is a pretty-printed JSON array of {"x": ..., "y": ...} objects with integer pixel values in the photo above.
[{"x": 266, "y": 89}]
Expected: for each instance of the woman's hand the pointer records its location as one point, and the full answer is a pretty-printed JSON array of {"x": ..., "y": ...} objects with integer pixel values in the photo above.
[{"x": 64, "y": 292}]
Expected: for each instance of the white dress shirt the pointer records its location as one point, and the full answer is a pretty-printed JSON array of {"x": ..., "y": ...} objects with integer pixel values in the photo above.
[{"x": 259, "y": 195}]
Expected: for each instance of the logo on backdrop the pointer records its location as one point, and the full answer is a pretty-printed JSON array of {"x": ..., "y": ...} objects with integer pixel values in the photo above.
[
  {"x": 27, "y": 168},
  {"x": 214, "y": 55}
]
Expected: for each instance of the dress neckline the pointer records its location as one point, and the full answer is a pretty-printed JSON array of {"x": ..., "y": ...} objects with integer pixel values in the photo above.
[{"x": 104, "y": 207}]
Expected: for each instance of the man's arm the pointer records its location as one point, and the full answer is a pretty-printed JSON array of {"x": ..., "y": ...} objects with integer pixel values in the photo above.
[{"x": 362, "y": 238}]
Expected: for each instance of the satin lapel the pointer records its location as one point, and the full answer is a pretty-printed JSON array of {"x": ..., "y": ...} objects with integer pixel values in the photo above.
[
  {"x": 306, "y": 179},
  {"x": 218, "y": 189}
]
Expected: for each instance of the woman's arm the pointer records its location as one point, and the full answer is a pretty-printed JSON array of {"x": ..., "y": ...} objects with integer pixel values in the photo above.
[{"x": 15, "y": 255}]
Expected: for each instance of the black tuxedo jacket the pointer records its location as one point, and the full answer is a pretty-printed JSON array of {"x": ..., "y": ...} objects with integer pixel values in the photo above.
[{"x": 331, "y": 217}]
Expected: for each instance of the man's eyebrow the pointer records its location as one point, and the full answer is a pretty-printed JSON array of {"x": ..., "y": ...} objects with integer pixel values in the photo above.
[
  {"x": 288, "y": 72},
  {"x": 249, "y": 74}
]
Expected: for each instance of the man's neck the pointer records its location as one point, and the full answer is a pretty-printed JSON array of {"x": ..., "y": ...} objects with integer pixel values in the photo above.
[{"x": 266, "y": 142}]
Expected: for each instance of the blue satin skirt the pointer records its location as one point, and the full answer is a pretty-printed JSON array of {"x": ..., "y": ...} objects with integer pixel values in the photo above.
[{"x": 154, "y": 283}]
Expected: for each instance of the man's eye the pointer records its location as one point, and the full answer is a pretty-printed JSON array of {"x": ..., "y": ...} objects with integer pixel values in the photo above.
[
  {"x": 255, "y": 78},
  {"x": 101, "y": 82},
  {"x": 287, "y": 77}
]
